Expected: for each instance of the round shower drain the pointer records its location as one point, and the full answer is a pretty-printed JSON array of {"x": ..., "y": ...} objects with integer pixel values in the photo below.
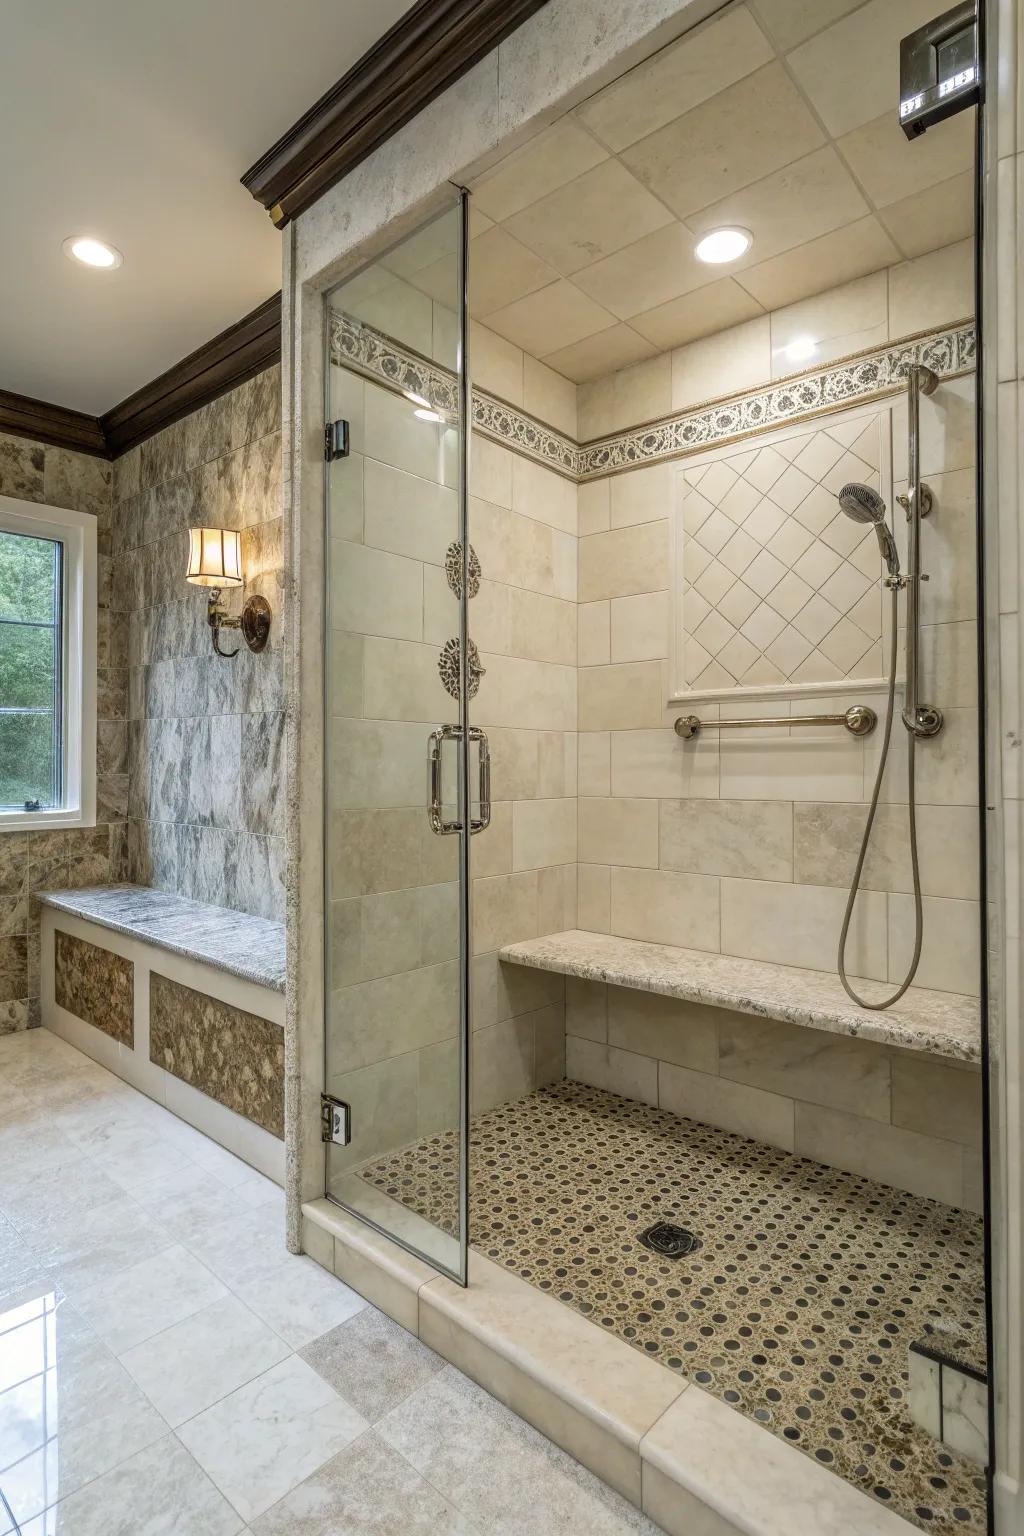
[{"x": 670, "y": 1241}]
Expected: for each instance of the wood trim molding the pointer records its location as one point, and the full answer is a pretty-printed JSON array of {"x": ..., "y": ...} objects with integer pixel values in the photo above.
[
  {"x": 237, "y": 354},
  {"x": 21, "y": 416},
  {"x": 427, "y": 50},
  {"x": 228, "y": 360}
]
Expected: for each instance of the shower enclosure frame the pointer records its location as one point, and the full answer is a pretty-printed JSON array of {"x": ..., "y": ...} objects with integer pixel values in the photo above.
[{"x": 450, "y": 142}]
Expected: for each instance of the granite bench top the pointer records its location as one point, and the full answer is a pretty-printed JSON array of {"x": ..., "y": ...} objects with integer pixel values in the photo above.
[
  {"x": 936, "y": 1023},
  {"x": 249, "y": 947}
]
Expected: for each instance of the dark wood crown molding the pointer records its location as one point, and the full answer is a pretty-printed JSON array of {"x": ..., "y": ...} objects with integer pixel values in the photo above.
[
  {"x": 426, "y": 51},
  {"x": 21, "y": 416},
  {"x": 237, "y": 354},
  {"x": 228, "y": 360}
]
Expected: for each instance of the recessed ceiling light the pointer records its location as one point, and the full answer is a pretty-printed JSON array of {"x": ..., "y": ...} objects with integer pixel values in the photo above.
[
  {"x": 801, "y": 348},
  {"x": 92, "y": 252},
  {"x": 723, "y": 245}
]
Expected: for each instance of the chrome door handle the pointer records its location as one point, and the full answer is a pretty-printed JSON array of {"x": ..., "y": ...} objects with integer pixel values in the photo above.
[{"x": 435, "y": 746}]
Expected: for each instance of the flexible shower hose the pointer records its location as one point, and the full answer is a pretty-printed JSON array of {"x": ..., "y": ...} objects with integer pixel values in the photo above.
[{"x": 872, "y": 808}]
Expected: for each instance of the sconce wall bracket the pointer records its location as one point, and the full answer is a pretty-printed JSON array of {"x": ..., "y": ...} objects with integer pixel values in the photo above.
[{"x": 254, "y": 622}]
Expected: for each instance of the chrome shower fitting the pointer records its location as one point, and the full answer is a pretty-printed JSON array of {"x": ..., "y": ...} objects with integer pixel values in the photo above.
[{"x": 866, "y": 506}]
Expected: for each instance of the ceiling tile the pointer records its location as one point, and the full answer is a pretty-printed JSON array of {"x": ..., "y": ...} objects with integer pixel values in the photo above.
[
  {"x": 933, "y": 218},
  {"x": 500, "y": 271},
  {"x": 806, "y": 199},
  {"x": 559, "y": 154},
  {"x": 698, "y": 66},
  {"x": 851, "y": 71},
  {"x": 598, "y": 213},
  {"x": 552, "y": 318},
  {"x": 835, "y": 258},
  {"x": 889, "y": 166},
  {"x": 789, "y": 22},
  {"x": 604, "y": 352},
  {"x": 650, "y": 271},
  {"x": 712, "y": 308},
  {"x": 430, "y": 245},
  {"x": 749, "y": 129}
]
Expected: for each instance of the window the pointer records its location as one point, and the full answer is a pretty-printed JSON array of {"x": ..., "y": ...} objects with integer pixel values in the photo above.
[{"x": 47, "y": 666}]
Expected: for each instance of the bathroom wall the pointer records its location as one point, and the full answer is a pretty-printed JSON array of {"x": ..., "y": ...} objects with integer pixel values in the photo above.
[
  {"x": 747, "y": 844},
  {"x": 394, "y": 1010},
  {"x": 200, "y": 760},
  {"x": 34, "y": 861}
]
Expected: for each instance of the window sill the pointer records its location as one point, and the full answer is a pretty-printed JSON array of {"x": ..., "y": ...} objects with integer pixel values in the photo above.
[{"x": 40, "y": 821}]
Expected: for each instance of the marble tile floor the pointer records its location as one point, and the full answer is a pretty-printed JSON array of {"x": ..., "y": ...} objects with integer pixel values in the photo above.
[
  {"x": 168, "y": 1369},
  {"x": 797, "y": 1307}
]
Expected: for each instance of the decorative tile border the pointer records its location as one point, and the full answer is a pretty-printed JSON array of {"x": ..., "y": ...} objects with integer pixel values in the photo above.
[{"x": 853, "y": 381}]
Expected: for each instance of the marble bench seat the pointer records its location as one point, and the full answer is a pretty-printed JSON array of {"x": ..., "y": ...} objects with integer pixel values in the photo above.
[
  {"x": 942, "y": 1024},
  {"x": 251, "y": 948}
]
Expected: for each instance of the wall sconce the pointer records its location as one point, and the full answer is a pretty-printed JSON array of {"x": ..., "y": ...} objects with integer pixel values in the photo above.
[{"x": 215, "y": 561}]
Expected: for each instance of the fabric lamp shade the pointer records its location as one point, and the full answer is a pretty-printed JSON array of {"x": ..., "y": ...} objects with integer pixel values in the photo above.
[{"x": 214, "y": 557}]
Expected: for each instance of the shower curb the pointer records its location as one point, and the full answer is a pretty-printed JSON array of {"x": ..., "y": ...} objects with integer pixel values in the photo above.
[{"x": 689, "y": 1461}]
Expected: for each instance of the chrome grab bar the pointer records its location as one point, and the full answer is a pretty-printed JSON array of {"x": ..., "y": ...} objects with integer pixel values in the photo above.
[
  {"x": 435, "y": 812},
  {"x": 922, "y": 719},
  {"x": 859, "y": 720}
]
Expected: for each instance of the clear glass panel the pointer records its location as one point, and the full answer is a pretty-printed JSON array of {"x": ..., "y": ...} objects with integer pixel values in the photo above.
[
  {"x": 31, "y": 605},
  {"x": 397, "y": 1009}
]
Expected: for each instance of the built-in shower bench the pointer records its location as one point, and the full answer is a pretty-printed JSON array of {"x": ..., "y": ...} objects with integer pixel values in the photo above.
[
  {"x": 942, "y": 1024},
  {"x": 182, "y": 999}
]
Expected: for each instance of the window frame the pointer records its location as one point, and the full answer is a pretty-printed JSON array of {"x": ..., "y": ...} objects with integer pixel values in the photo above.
[{"x": 76, "y": 532}]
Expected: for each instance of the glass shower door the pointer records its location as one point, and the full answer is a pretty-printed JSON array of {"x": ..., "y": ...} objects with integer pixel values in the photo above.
[{"x": 396, "y": 762}]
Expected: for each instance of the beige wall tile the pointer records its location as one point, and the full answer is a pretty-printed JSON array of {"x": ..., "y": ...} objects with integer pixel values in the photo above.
[
  {"x": 523, "y": 552},
  {"x": 548, "y": 1046},
  {"x": 799, "y": 925},
  {"x": 594, "y": 749},
  {"x": 504, "y": 910},
  {"x": 497, "y": 364},
  {"x": 407, "y": 514},
  {"x": 924, "y": 1165},
  {"x": 492, "y": 848},
  {"x": 728, "y": 837},
  {"x": 624, "y": 561},
  {"x": 376, "y": 593},
  {"x": 844, "y": 320},
  {"x": 594, "y": 899},
  {"x": 541, "y": 628},
  {"x": 586, "y": 1009},
  {"x": 394, "y": 435},
  {"x": 950, "y": 952},
  {"x": 393, "y": 1015},
  {"x": 722, "y": 365},
  {"x": 664, "y": 907},
  {"x": 526, "y": 694},
  {"x": 490, "y": 474},
  {"x": 384, "y": 763},
  {"x": 660, "y": 763},
  {"x": 594, "y": 506},
  {"x": 847, "y": 1074},
  {"x": 549, "y": 397},
  {"x": 502, "y": 1063},
  {"x": 827, "y": 840},
  {"x": 345, "y": 498},
  {"x": 932, "y": 289},
  {"x": 765, "y": 1117},
  {"x": 639, "y": 627},
  {"x": 619, "y": 832},
  {"x": 543, "y": 832},
  {"x": 594, "y": 629},
  {"x": 401, "y": 681},
  {"x": 540, "y": 493},
  {"x": 664, "y": 1027},
  {"x": 628, "y": 696},
  {"x": 642, "y": 495},
  {"x": 387, "y": 1094},
  {"x": 808, "y": 767},
  {"x": 437, "y": 1106},
  {"x": 520, "y": 990},
  {"x": 935, "y": 1099},
  {"x": 603, "y": 1066},
  {"x": 594, "y": 359}
]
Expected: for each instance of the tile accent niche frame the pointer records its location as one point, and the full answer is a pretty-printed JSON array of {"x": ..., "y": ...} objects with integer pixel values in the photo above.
[{"x": 775, "y": 592}]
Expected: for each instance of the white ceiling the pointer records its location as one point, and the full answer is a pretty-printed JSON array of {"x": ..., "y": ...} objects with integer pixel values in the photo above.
[
  {"x": 133, "y": 120},
  {"x": 777, "y": 115}
]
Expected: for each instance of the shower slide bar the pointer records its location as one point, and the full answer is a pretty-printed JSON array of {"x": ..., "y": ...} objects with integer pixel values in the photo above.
[{"x": 859, "y": 720}]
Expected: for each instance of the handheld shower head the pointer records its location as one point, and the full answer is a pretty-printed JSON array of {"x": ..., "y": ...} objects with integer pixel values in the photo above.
[{"x": 864, "y": 505}]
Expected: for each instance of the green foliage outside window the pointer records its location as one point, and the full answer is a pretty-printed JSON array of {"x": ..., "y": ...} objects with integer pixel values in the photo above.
[{"x": 30, "y": 605}]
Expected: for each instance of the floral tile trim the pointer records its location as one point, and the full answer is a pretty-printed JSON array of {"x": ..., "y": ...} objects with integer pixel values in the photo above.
[{"x": 949, "y": 352}]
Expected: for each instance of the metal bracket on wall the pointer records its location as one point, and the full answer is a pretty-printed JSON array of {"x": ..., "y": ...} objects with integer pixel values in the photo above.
[
  {"x": 335, "y": 1121},
  {"x": 336, "y": 440}
]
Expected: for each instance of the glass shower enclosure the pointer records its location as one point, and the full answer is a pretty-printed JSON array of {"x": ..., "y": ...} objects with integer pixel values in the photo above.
[{"x": 406, "y": 774}]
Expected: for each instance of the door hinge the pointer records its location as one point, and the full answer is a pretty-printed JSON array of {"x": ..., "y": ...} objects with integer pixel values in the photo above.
[
  {"x": 336, "y": 445},
  {"x": 335, "y": 1121}
]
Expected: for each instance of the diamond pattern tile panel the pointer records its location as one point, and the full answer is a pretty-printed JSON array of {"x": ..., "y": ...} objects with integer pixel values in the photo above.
[{"x": 778, "y": 586}]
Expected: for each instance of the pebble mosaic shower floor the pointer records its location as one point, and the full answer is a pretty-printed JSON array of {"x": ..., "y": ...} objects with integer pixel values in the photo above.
[{"x": 797, "y": 1308}]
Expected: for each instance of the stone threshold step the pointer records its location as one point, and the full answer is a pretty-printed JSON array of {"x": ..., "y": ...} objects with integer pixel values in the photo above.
[
  {"x": 944, "y": 1024},
  {"x": 690, "y": 1462}
]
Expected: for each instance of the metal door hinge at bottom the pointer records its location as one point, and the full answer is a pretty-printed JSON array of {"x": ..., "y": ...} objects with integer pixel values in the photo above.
[
  {"x": 335, "y": 1121},
  {"x": 435, "y": 811}
]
